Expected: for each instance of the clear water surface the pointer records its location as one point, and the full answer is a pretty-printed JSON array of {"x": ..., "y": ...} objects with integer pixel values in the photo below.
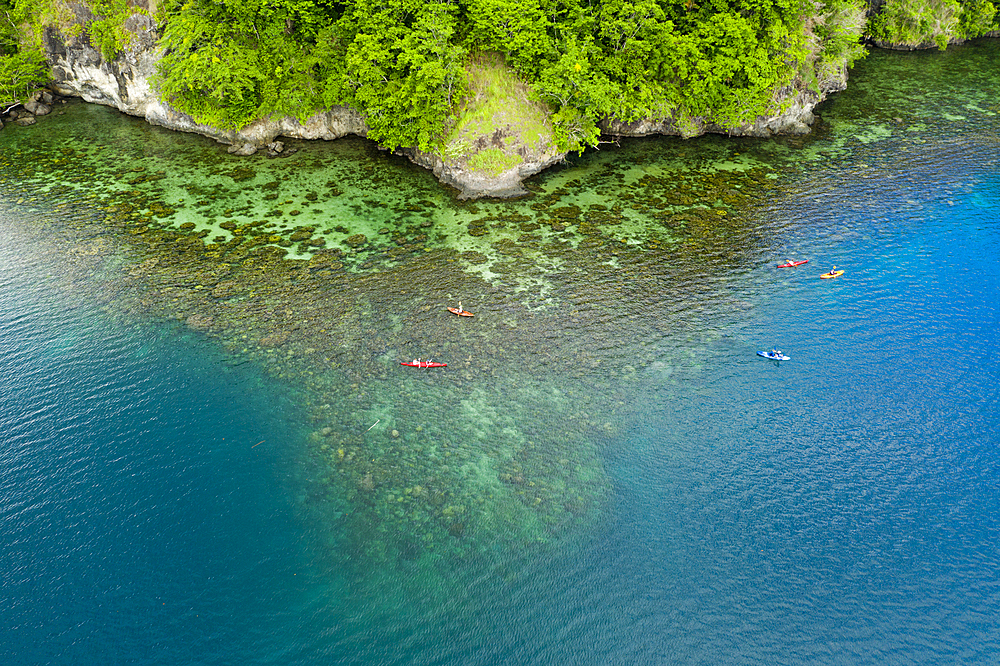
[{"x": 210, "y": 453}]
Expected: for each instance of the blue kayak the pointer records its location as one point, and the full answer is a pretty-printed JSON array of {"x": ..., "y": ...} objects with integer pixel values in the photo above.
[{"x": 774, "y": 355}]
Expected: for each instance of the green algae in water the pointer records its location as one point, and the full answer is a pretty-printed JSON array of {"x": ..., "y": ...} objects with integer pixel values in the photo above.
[{"x": 320, "y": 200}]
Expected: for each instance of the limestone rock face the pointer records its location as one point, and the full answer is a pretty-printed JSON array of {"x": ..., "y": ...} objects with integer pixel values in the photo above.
[
  {"x": 80, "y": 71},
  {"x": 124, "y": 83},
  {"x": 473, "y": 185}
]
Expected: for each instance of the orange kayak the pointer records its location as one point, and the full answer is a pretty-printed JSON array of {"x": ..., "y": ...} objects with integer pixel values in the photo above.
[{"x": 460, "y": 312}]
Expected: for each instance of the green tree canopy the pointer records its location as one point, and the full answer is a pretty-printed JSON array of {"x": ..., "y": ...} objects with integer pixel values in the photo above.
[
  {"x": 22, "y": 65},
  {"x": 401, "y": 62}
]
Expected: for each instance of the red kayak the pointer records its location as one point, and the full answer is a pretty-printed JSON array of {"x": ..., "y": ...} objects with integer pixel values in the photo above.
[
  {"x": 415, "y": 363},
  {"x": 793, "y": 264},
  {"x": 460, "y": 312}
]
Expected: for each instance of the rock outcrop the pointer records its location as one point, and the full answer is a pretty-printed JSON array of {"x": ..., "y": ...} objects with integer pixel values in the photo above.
[
  {"x": 795, "y": 118},
  {"x": 124, "y": 83},
  {"x": 473, "y": 185},
  {"x": 796, "y": 104},
  {"x": 23, "y": 115}
]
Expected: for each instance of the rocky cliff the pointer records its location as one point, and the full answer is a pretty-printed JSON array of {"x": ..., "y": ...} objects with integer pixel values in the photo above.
[{"x": 80, "y": 70}]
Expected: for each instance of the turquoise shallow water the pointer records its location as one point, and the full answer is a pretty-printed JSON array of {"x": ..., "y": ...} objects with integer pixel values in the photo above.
[{"x": 158, "y": 505}]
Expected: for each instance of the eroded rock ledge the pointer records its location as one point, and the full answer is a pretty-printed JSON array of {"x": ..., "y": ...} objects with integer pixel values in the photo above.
[{"x": 474, "y": 185}]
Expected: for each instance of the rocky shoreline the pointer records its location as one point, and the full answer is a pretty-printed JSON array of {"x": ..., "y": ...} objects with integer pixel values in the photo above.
[
  {"x": 79, "y": 70},
  {"x": 24, "y": 115}
]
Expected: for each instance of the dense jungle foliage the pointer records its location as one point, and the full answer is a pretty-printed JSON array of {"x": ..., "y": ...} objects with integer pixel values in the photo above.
[
  {"x": 22, "y": 65},
  {"x": 925, "y": 22},
  {"x": 401, "y": 62}
]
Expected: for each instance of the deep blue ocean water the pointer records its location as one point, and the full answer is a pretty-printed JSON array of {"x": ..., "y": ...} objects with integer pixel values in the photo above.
[
  {"x": 136, "y": 511},
  {"x": 839, "y": 508}
]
